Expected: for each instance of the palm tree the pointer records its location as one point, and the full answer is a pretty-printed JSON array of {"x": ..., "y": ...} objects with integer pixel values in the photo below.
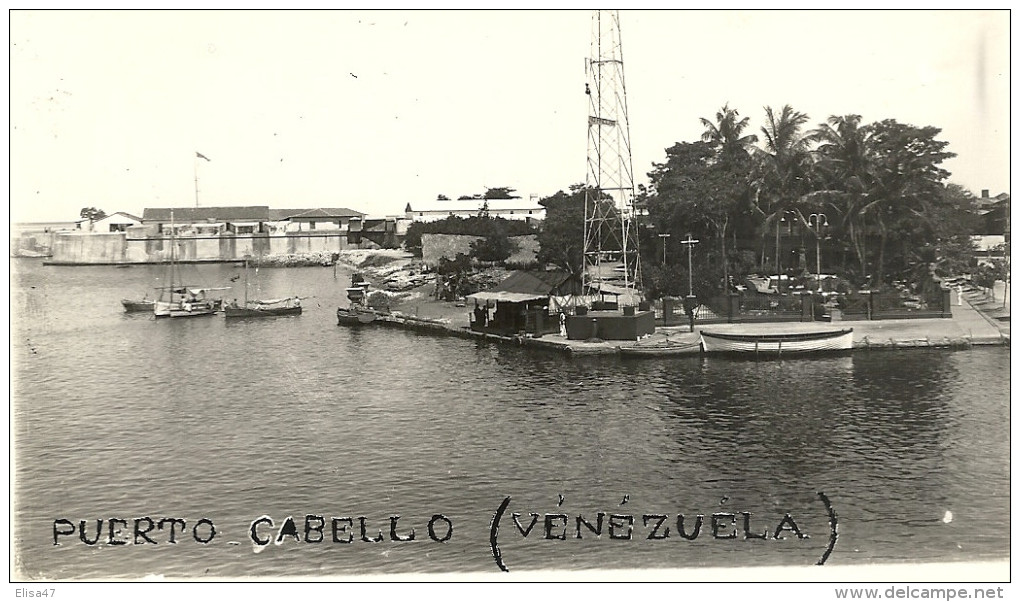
[
  {"x": 732, "y": 156},
  {"x": 783, "y": 166},
  {"x": 846, "y": 170},
  {"x": 726, "y": 132},
  {"x": 786, "y": 149}
]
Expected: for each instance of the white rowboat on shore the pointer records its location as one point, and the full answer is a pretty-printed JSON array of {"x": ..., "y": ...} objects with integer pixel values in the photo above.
[{"x": 832, "y": 341}]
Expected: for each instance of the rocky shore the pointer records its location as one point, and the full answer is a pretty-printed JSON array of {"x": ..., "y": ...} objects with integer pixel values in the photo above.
[
  {"x": 295, "y": 260},
  {"x": 401, "y": 283}
]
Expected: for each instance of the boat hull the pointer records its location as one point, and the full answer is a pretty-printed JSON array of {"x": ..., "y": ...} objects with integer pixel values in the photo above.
[
  {"x": 137, "y": 306},
  {"x": 163, "y": 309},
  {"x": 354, "y": 317},
  {"x": 671, "y": 350},
  {"x": 255, "y": 312},
  {"x": 829, "y": 342}
]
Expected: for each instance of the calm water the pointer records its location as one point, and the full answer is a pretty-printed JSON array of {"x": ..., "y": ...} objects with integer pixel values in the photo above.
[{"x": 121, "y": 416}]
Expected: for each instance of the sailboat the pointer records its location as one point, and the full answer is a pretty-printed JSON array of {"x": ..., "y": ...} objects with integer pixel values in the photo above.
[
  {"x": 179, "y": 300},
  {"x": 262, "y": 308}
]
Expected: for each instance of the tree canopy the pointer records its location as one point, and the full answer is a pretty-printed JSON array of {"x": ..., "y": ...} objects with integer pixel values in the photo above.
[
  {"x": 476, "y": 225},
  {"x": 92, "y": 214},
  {"x": 879, "y": 187},
  {"x": 561, "y": 238}
]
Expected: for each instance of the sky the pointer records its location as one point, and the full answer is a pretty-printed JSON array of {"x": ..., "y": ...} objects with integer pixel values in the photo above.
[{"x": 373, "y": 110}]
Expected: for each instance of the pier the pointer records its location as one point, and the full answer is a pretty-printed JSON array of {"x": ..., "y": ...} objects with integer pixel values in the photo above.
[{"x": 967, "y": 327}]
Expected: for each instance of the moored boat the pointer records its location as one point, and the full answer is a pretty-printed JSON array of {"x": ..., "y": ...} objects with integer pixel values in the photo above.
[
  {"x": 138, "y": 305},
  {"x": 185, "y": 302},
  {"x": 794, "y": 343},
  {"x": 357, "y": 313},
  {"x": 180, "y": 300},
  {"x": 291, "y": 306},
  {"x": 666, "y": 349},
  {"x": 353, "y": 316},
  {"x": 261, "y": 308}
]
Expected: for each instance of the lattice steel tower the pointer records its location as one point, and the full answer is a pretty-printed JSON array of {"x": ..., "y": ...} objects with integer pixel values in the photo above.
[{"x": 610, "y": 231}]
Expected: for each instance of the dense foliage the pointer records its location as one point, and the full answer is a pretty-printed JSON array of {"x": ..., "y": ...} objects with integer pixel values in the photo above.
[
  {"x": 868, "y": 202},
  {"x": 92, "y": 214},
  {"x": 873, "y": 199},
  {"x": 561, "y": 239},
  {"x": 476, "y": 225}
]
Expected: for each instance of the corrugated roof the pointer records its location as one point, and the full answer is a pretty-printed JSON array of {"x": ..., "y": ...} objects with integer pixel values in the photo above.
[{"x": 259, "y": 213}]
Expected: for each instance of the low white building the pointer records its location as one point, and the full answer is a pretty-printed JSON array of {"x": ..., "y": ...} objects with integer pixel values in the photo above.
[
  {"x": 314, "y": 220},
  {"x": 522, "y": 209}
]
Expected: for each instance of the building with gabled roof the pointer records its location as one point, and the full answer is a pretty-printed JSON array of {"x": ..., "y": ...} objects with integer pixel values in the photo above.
[
  {"x": 321, "y": 218},
  {"x": 114, "y": 222}
]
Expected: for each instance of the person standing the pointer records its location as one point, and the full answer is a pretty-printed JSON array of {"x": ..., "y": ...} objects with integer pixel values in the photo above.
[{"x": 690, "y": 303}]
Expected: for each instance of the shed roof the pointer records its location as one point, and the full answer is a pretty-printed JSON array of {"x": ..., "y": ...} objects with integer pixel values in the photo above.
[{"x": 533, "y": 282}]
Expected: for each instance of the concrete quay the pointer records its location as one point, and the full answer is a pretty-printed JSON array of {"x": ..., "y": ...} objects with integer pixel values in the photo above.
[{"x": 967, "y": 327}]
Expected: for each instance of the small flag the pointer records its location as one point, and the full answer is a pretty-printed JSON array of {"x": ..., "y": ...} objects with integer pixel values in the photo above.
[{"x": 201, "y": 156}]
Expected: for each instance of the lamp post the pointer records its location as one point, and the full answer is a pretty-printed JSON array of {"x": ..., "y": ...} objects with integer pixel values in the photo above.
[
  {"x": 690, "y": 242},
  {"x": 779, "y": 274},
  {"x": 817, "y": 221},
  {"x": 664, "y": 236}
]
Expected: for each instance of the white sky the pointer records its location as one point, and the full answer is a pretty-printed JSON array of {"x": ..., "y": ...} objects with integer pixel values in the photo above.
[{"x": 108, "y": 108}]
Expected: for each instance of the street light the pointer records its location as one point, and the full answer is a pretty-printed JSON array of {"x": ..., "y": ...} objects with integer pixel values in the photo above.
[
  {"x": 690, "y": 242},
  {"x": 664, "y": 236},
  {"x": 779, "y": 275},
  {"x": 819, "y": 220}
]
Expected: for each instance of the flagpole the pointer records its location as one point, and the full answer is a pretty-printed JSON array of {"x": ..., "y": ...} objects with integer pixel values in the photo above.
[{"x": 195, "y": 159}]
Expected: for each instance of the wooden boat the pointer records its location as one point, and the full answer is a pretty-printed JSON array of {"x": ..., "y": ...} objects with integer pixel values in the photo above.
[
  {"x": 353, "y": 316},
  {"x": 180, "y": 300},
  {"x": 831, "y": 341},
  {"x": 357, "y": 313},
  {"x": 666, "y": 349},
  {"x": 261, "y": 308},
  {"x": 185, "y": 302},
  {"x": 265, "y": 308},
  {"x": 138, "y": 305}
]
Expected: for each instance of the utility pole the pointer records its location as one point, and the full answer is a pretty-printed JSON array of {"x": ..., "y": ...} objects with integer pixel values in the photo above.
[
  {"x": 664, "y": 236},
  {"x": 690, "y": 242}
]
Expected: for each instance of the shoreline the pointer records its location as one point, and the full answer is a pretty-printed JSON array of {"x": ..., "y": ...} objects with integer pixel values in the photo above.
[
  {"x": 415, "y": 309},
  {"x": 559, "y": 343}
]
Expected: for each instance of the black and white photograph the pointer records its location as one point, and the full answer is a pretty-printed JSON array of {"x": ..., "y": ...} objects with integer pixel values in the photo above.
[{"x": 718, "y": 297}]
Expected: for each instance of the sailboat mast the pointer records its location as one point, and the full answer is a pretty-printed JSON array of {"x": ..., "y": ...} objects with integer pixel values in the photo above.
[
  {"x": 258, "y": 277},
  {"x": 173, "y": 256},
  {"x": 246, "y": 282}
]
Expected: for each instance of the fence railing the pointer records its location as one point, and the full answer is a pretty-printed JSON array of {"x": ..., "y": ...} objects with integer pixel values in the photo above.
[{"x": 806, "y": 307}]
